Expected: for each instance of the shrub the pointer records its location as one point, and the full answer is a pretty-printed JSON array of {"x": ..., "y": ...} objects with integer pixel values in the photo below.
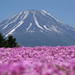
[{"x": 9, "y": 42}]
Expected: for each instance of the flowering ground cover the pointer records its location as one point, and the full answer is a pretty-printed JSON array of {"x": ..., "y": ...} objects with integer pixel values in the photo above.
[{"x": 37, "y": 61}]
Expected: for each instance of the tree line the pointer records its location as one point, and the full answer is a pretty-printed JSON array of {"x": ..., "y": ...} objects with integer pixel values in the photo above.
[{"x": 10, "y": 41}]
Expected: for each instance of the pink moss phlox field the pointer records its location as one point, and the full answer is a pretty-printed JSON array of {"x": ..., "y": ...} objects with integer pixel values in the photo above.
[{"x": 38, "y": 60}]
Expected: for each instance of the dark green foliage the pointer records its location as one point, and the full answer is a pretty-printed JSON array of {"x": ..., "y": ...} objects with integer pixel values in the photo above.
[
  {"x": 1, "y": 40},
  {"x": 9, "y": 42}
]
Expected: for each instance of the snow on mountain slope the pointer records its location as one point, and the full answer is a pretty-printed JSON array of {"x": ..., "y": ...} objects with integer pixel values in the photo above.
[
  {"x": 38, "y": 27},
  {"x": 29, "y": 26},
  {"x": 22, "y": 17},
  {"x": 36, "y": 22},
  {"x": 13, "y": 30}
]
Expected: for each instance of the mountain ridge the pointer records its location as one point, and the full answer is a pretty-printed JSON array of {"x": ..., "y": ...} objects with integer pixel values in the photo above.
[{"x": 31, "y": 23}]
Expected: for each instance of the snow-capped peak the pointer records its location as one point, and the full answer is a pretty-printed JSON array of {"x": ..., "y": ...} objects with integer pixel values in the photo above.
[{"x": 31, "y": 20}]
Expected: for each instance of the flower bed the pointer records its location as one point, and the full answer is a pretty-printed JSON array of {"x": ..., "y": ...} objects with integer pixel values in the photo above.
[{"x": 37, "y": 61}]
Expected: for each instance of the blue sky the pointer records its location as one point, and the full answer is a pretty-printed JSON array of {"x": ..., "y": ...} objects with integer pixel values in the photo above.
[{"x": 64, "y": 10}]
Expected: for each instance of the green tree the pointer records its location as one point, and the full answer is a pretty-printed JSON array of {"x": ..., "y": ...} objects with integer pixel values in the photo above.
[
  {"x": 11, "y": 42},
  {"x": 1, "y": 40}
]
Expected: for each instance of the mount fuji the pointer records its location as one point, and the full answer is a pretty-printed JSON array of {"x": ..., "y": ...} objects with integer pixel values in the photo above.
[{"x": 38, "y": 28}]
